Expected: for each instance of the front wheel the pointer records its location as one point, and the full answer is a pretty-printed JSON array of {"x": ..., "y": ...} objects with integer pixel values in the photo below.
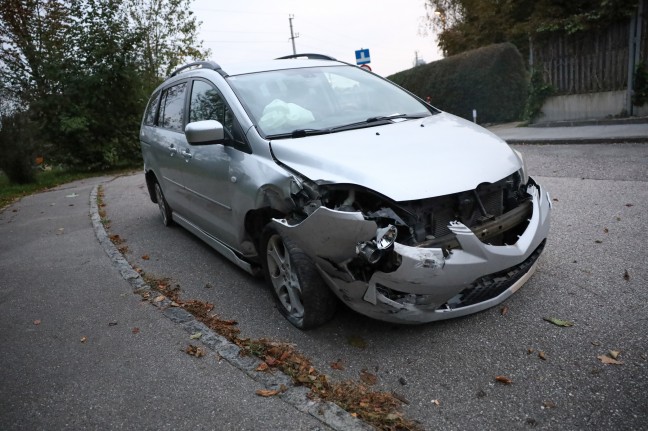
[{"x": 301, "y": 295}]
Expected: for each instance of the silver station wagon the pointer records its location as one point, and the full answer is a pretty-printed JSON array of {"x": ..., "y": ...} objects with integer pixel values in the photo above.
[{"x": 338, "y": 185}]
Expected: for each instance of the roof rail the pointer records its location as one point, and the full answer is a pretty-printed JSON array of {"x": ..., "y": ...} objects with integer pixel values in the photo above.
[
  {"x": 198, "y": 64},
  {"x": 309, "y": 56}
]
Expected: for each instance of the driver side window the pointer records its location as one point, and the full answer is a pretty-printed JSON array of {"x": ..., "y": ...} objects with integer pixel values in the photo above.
[{"x": 207, "y": 104}]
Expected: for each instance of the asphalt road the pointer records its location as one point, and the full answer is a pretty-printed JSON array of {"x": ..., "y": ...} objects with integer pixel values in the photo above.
[{"x": 599, "y": 226}]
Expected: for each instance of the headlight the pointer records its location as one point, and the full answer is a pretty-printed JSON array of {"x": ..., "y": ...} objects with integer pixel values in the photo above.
[
  {"x": 523, "y": 170},
  {"x": 386, "y": 236}
]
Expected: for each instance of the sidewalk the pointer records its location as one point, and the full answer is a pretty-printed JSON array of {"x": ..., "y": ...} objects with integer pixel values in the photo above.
[
  {"x": 591, "y": 134},
  {"x": 81, "y": 351}
]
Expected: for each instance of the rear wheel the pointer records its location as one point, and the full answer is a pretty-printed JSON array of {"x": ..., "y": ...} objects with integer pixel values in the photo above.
[
  {"x": 165, "y": 210},
  {"x": 301, "y": 295}
]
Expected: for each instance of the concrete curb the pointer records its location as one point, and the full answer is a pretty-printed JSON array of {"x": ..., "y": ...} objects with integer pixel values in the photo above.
[
  {"x": 577, "y": 141},
  {"x": 328, "y": 413}
]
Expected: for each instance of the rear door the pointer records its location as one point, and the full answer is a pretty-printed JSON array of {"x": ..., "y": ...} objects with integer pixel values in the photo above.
[{"x": 167, "y": 144}]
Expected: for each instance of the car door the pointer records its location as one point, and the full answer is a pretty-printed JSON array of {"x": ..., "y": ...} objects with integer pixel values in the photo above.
[
  {"x": 167, "y": 144},
  {"x": 207, "y": 172}
]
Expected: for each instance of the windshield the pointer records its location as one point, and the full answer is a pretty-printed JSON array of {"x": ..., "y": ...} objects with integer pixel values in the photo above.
[{"x": 321, "y": 99}]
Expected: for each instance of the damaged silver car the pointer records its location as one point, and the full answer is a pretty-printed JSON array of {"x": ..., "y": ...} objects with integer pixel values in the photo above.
[{"x": 338, "y": 185}]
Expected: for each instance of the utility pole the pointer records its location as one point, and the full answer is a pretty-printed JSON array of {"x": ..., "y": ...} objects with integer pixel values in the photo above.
[{"x": 292, "y": 36}]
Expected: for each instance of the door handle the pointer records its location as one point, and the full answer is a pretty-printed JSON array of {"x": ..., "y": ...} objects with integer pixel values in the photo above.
[
  {"x": 187, "y": 154},
  {"x": 172, "y": 150}
]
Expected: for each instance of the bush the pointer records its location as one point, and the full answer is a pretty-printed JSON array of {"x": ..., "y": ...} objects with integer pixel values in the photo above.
[
  {"x": 492, "y": 80},
  {"x": 17, "y": 148}
]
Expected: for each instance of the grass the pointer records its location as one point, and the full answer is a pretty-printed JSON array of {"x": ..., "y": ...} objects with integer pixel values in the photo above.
[{"x": 44, "y": 180}]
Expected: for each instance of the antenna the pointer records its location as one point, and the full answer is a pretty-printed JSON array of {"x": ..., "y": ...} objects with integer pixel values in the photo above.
[{"x": 292, "y": 36}]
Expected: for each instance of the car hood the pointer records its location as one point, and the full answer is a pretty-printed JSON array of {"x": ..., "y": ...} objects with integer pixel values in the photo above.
[{"x": 406, "y": 160}]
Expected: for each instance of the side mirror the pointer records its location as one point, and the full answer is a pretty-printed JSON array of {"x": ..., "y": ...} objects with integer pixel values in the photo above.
[{"x": 204, "y": 132}]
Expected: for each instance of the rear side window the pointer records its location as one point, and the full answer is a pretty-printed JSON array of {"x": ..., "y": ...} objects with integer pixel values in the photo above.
[
  {"x": 173, "y": 107},
  {"x": 151, "y": 110}
]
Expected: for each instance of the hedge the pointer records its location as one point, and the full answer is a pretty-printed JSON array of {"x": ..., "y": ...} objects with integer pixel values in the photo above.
[{"x": 493, "y": 80}]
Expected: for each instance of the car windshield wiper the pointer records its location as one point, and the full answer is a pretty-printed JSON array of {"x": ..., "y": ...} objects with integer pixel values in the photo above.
[
  {"x": 395, "y": 116},
  {"x": 376, "y": 121},
  {"x": 299, "y": 133}
]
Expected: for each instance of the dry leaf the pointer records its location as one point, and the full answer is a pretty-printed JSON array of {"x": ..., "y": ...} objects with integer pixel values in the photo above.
[
  {"x": 504, "y": 379},
  {"x": 37, "y": 322},
  {"x": 629, "y": 205},
  {"x": 558, "y": 322},
  {"x": 367, "y": 378},
  {"x": 174, "y": 304},
  {"x": 598, "y": 241},
  {"x": 548, "y": 405},
  {"x": 596, "y": 343},
  {"x": 504, "y": 310},
  {"x": 195, "y": 335},
  {"x": 84, "y": 339},
  {"x": 262, "y": 367},
  {"x": 606, "y": 230},
  {"x": 194, "y": 351},
  {"x": 609, "y": 361},
  {"x": 356, "y": 341},
  {"x": 145, "y": 257},
  {"x": 135, "y": 330},
  {"x": 436, "y": 402},
  {"x": 541, "y": 355},
  {"x": 529, "y": 351},
  {"x": 271, "y": 392},
  {"x": 626, "y": 275},
  {"x": 614, "y": 354},
  {"x": 159, "y": 298},
  {"x": 337, "y": 365}
]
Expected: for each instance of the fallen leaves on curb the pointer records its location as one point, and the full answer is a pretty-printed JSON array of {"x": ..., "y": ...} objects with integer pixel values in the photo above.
[
  {"x": 558, "y": 322},
  {"x": 503, "y": 379},
  {"x": 379, "y": 409}
]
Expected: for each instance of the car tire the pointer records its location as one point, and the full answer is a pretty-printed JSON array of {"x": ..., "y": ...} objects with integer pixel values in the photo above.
[
  {"x": 165, "y": 209},
  {"x": 302, "y": 297}
]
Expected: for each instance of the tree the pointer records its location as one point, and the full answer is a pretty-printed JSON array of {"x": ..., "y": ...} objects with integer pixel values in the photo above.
[
  {"x": 168, "y": 32},
  {"x": 79, "y": 72},
  {"x": 462, "y": 25}
]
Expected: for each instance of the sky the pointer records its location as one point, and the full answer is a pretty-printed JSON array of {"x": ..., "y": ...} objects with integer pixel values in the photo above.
[{"x": 247, "y": 30}]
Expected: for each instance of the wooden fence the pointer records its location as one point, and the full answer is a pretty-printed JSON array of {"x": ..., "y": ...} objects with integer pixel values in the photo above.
[{"x": 589, "y": 62}]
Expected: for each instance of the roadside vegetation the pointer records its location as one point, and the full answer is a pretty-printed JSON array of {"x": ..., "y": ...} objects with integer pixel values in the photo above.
[
  {"x": 43, "y": 180},
  {"x": 76, "y": 76}
]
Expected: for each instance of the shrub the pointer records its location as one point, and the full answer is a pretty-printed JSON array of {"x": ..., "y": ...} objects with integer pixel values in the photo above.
[{"x": 492, "y": 80}]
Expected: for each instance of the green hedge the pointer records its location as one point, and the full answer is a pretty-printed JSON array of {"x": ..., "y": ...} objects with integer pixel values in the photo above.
[{"x": 493, "y": 80}]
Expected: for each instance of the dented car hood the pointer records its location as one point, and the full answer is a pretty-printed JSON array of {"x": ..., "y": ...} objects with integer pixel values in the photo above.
[{"x": 406, "y": 160}]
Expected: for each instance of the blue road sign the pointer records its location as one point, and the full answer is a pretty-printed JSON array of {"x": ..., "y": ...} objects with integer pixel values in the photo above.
[{"x": 362, "y": 56}]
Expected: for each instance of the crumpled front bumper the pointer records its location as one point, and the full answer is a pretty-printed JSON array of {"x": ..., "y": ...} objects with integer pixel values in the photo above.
[{"x": 427, "y": 285}]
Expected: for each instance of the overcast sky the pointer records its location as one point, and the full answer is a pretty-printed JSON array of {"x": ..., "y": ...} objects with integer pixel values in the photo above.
[{"x": 259, "y": 29}]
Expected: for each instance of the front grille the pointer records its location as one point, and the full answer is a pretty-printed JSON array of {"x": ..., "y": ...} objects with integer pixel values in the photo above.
[{"x": 492, "y": 285}]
